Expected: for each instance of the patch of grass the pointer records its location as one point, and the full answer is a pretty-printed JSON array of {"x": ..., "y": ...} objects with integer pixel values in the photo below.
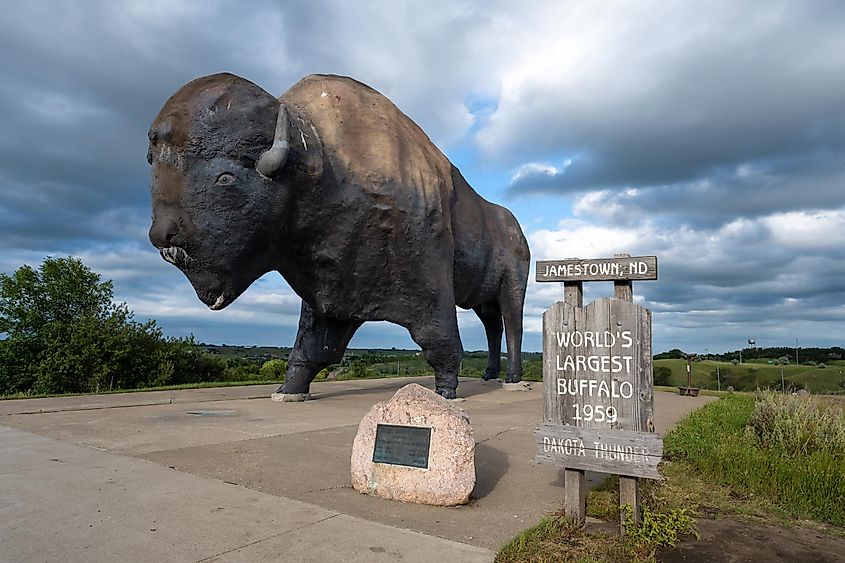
[
  {"x": 714, "y": 443},
  {"x": 557, "y": 538},
  {"x": 603, "y": 500}
]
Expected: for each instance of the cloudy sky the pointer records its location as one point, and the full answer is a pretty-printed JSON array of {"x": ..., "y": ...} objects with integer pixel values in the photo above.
[{"x": 709, "y": 134}]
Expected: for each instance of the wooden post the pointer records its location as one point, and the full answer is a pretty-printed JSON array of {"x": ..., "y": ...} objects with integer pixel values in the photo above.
[
  {"x": 575, "y": 496},
  {"x": 629, "y": 487}
]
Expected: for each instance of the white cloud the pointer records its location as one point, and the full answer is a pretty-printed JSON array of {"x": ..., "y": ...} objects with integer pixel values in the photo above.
[
  {"x": 575, "y": 238},
  {"x": 530, "y": 169},
  {"x": 808, "y": 230}
]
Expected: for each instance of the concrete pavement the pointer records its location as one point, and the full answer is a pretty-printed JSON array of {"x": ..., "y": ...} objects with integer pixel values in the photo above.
[
  {"x": 63, "y": 502},
  {"x": 194, "y": 474}
]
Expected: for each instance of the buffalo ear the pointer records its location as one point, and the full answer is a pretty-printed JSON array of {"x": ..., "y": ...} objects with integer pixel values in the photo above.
[{"x": 273, "y": 160}]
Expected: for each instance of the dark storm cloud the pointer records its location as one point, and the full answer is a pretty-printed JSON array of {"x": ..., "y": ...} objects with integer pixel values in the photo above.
[
  {"x": 81, "y": 85},
  {"x": 690, "y": 96},
  {"x": 751, "y": 190}
]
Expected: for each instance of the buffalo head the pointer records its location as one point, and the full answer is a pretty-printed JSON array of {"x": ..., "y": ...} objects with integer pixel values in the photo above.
[{"x": 218, "y": 149}]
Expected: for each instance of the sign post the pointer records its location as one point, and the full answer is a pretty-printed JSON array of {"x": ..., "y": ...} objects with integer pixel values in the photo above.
[{"x": 598, "y": 411}]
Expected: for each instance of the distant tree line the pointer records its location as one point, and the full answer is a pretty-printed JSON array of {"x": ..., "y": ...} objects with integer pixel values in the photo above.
[
  {"x": 61, "y": 332},
  {"x": 780, "y": 354}
]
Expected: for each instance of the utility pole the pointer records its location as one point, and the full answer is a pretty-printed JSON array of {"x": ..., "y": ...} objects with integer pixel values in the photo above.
[
  {"x": 782, "y": 385},
  {"x": 796, "y": 351},
  {"x": 718, "y": 380}
]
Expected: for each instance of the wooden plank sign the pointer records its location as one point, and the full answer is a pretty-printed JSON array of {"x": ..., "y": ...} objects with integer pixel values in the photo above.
[
  {"x": 599, "y": 269},
  {"x": 621, "y": 452},
  {"x": 597, "y": 375}
]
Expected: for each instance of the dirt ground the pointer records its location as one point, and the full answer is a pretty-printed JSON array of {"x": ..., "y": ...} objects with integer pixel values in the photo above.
[{"x": 727, "y": 540}]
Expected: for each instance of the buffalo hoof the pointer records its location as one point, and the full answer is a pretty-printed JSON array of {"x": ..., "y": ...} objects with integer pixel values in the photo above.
[
  {"x": 290, "y": 397},
  {"x": 447, "y": 393},
  {"x": 513, "y": 379},
  {"x": 488, "y": 375}
]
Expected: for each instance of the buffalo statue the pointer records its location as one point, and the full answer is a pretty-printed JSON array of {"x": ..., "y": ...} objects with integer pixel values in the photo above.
[{"x": 346, "y": 197}]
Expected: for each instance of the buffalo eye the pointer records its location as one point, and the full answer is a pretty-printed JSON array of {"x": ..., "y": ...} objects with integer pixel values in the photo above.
[{"x": 225, "y": 179}]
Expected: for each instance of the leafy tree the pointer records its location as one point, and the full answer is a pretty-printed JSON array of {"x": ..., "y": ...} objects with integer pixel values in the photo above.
[
  {"x": 64, "y": 334},
  {"x": 673, "y": 354}
]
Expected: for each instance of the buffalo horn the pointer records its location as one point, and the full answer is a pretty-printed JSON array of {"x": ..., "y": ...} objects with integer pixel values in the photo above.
[{"x": 273, "y": 160}]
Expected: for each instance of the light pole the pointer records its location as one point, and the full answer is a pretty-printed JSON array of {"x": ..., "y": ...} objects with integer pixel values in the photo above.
[{"x": 796, "y": 351}]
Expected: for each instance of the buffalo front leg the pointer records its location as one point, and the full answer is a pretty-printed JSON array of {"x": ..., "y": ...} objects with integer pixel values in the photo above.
[
  {"x": 320, "y": 342},
  {"x": 491, "y": 318}
]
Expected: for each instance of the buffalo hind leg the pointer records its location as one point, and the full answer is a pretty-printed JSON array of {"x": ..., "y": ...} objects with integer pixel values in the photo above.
[
  {"x": 491, "y": 318},
  {"x": 320, "y": 342},
  {"x": 511, "y": 301},
  {"x": 441, "y": 346}
]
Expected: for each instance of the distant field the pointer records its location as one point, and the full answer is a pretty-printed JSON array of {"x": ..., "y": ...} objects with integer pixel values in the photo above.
[
  {"x": 758, "y": 373},
  {"x": 748, "y": 376}
]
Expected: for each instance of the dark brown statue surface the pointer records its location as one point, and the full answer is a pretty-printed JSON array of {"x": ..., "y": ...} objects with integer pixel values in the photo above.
[{"x": 340, "y": 192}]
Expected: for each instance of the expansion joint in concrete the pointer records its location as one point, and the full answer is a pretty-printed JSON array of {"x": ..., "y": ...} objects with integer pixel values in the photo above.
[
  {"x": 210, "y": 557},
  {"x": 496, "y": 435}
]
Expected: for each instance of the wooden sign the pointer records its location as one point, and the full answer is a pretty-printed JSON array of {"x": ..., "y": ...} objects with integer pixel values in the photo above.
[
  {"x": 598, "y": 389},
  {"x": 598, "y": 405},
  {"x": 402, "y": 445},
  {"x": 597, "y": 365},
  {"x": 599, "y": 269},
  {"x": 621, "y": 452}
]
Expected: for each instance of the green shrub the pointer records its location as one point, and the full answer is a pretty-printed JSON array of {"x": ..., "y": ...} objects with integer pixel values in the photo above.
[
  {"x": 532, "y": 370},
  {"x": 273, "y": 370},
  {"x": 658, "y": 529},
  {"x": 798, "y": 425},
  {"x": 662, "y": 375}
]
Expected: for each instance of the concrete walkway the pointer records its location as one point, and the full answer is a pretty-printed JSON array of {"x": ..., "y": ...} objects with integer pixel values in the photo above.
[
  {"x": 63, "y": 502},
  {"x": 226, "y": 474}
]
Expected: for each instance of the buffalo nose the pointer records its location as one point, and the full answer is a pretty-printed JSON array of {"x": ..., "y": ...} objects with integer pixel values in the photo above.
[{"x": 163, "y": 230}]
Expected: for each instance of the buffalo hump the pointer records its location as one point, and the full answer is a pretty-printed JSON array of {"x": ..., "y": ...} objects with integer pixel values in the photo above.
[{"x": 370, "y": 142}]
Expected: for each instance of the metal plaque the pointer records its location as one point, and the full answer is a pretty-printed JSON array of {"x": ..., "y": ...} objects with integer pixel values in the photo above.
[{"x": 402, "y": 445}]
